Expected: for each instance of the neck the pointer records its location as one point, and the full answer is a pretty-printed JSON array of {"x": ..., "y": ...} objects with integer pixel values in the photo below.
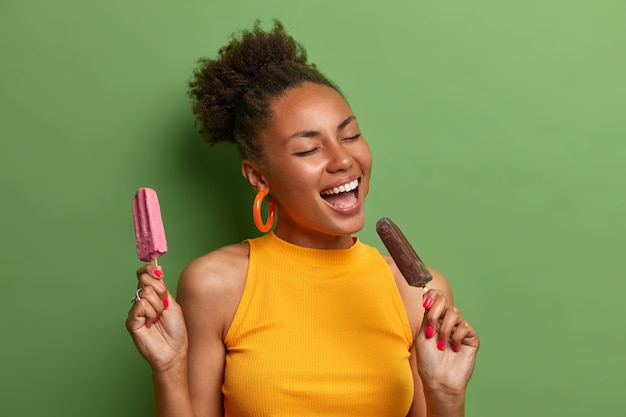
[{"x": 315, "y": 240}]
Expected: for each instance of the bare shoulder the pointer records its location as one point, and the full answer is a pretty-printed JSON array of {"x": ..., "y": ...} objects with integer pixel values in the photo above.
[
  {"x": 216, "y": 269},
  {"x": 439, "y": 281},
  {"x": 413, "y": 297},
  {"x": 211, "y": 285}
]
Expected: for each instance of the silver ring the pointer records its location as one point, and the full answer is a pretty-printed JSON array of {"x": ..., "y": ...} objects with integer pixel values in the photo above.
[{"x": 136, "y": 297}]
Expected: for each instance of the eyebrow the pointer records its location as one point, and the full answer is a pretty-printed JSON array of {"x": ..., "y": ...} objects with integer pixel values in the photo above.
[
  {"x": 314, "y": 133},
  {"x": 346, "y": 122}
]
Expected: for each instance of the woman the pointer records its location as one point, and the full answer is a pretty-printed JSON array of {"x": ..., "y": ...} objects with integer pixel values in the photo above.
[{"x": 305, "y": 320}]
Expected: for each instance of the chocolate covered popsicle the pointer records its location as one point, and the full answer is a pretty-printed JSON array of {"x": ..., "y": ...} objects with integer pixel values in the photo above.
[{"x": 407, "y": 260}]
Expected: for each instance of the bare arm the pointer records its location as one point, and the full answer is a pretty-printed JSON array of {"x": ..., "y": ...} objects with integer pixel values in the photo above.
[
  {"x": 209, "y": 292},
  {"x": 187, "y": 353},
  {"x": 158, "y": 329}
]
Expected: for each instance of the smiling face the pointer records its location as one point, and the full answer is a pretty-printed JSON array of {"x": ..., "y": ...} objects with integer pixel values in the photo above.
[{"x": 317, "y": 167}]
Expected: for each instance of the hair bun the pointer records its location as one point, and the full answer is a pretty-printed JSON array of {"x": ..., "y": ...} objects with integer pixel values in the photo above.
[{"x": 231, "y": 94}]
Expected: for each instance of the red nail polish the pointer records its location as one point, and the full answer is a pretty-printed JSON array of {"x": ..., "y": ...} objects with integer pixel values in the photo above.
[
  {"x": 166, "y": 302},
  {"x": 455, "y": 348},
  {"x": 430, "y": 331},
  {"x": 158, "y": 273},
  {"x": 156, "y": 320},
  {"x": 428, "y": 302},
  {"x": 441, "y": 344}
]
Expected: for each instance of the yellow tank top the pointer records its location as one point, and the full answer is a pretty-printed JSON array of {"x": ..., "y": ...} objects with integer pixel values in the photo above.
[{"x": 317, "y": 333}]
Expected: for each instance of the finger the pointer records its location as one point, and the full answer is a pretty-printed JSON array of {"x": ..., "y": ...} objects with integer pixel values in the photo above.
[
  {"x": 147, "y": 279},
  {"x": 429, "y": 298},
  {"x": 141, "y": 314},
  {"x": 464, "y": 334},
  {"x": 434, "y": 304},
  {"x": 155, "y": 298},
  {"x": 449, "y": 321},
  {"x": 151, "y": 269}
]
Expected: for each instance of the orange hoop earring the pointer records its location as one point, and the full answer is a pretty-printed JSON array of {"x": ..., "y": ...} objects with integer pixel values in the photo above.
[{"x": 256, "y": 212}]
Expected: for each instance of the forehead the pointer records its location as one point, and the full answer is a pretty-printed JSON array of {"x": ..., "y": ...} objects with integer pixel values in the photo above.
[{"x": 308, "y": 107}]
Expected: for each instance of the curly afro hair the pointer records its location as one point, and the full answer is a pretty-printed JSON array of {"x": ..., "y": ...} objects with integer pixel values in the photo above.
[{"x": 231, "y": 95}]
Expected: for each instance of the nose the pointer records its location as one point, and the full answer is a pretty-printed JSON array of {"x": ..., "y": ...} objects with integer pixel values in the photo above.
[{"x": 340, "y": 159}]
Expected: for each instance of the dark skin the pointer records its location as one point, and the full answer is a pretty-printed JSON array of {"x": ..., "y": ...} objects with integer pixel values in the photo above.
[{"x": 312, "y": 144}]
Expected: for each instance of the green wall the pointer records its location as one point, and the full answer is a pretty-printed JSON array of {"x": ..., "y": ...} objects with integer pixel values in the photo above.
[{"x": 498, "y": 136}]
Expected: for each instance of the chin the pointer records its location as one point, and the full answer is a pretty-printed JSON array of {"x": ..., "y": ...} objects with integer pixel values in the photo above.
[{"x": 354, "y": 225}]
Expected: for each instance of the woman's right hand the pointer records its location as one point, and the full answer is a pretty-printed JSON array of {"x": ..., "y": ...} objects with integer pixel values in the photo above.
[{"x": 156, "y": 321}]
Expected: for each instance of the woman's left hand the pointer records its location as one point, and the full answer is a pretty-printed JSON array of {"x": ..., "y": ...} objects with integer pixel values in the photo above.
[{"x": 446, "y": 346}]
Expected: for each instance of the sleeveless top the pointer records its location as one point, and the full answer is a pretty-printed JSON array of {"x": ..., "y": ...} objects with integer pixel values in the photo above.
[{"x": 317, "y": 333}]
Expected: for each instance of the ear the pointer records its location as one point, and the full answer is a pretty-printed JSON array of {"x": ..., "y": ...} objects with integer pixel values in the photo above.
[{"x": 254, "y": 174}]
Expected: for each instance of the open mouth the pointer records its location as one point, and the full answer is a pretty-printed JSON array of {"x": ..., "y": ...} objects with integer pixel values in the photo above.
[{"x": 343, "y": 196}]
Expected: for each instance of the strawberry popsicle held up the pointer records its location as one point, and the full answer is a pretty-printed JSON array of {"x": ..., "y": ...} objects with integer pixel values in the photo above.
[{"x": 149, "y": 230}]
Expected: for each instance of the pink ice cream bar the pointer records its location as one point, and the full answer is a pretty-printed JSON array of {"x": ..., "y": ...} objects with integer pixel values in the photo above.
[{"x": 149, "y": 231}]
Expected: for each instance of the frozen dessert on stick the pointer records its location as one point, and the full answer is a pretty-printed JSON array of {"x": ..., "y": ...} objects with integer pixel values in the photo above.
[
  {"x": 149, "y": 231},
  {"x": 407, "y": 260}
]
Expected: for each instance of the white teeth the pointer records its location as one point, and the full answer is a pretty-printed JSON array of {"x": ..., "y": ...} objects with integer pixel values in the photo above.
[{"x": 342, "y": 188}]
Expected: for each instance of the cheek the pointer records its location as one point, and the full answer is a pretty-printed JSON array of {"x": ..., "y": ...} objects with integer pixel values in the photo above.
[
  {"x": 365, "y": 159},
  {"x": 292, "y": 176}
]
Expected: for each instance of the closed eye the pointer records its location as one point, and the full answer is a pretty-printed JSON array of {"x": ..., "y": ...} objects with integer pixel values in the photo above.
[
  {"x": 305, "y": 153},
  {"x": 357, "y": 136}
]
